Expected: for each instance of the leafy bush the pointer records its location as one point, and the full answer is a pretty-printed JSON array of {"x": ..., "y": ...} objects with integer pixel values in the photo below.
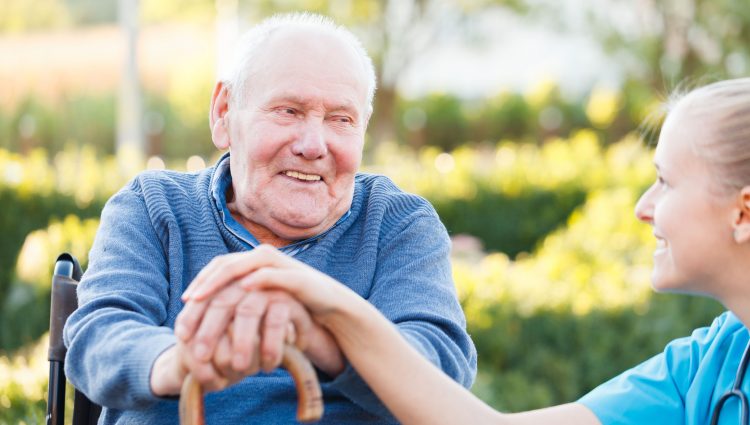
[
  {"x": 446, "y": 121},
  {"x": 508, "y": 195},
  {"x": 173, "y": 129},
  {"x": 175, "y": 125},
  {"x": 23, "y": 389},
  {"x": 35, "y": 194},
  {"x": 552, "y": 357},
  {"x": 511, "y": 224},
  {"x": 28, "y": 303}
]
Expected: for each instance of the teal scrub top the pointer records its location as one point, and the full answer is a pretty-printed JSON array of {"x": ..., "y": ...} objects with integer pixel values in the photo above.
[{"x": 682, "y": 384}]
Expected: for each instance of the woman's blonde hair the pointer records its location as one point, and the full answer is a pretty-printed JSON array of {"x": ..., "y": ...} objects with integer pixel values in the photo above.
[{"x": 723, "y": 109}]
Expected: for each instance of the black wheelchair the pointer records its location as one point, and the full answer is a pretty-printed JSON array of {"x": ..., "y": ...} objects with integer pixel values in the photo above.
[{"x": 65, "y": 278}]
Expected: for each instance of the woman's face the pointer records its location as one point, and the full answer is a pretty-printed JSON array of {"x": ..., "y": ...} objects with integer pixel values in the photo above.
[{"x": 691, "y": 218}]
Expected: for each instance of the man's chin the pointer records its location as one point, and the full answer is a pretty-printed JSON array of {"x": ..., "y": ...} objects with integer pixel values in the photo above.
[{"x": 295, "y": 230}]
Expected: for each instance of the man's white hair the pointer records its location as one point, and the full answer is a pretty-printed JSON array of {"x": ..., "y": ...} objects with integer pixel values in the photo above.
[{"x": 249, "y": 45}]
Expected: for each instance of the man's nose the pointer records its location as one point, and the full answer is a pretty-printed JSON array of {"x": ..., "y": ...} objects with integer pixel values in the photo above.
[{"x": 311, "y": 143}]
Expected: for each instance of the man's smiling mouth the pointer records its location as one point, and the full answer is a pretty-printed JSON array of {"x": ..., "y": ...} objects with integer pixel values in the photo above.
[{"x": 302, "y": 176}]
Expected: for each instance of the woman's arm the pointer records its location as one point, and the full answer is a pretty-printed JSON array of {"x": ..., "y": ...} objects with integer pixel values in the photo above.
[{"x": 415, "y": 390}]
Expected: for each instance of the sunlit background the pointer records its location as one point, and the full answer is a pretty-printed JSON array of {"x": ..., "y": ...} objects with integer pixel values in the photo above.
[{"x": 520, "y": 120}]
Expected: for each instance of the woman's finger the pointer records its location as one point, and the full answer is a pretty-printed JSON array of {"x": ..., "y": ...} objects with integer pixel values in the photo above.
[
  {"x": 226, "y": 269},
  {"x": 315, "y": 290}
]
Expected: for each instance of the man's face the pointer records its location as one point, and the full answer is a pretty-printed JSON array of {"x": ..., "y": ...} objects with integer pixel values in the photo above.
[{"x": 296, "y": 139}]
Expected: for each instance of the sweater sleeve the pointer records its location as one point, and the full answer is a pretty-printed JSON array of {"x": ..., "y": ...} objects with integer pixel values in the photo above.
[
  {"x": 414, "y": 289},
  {"x": 117, "y": 332}
]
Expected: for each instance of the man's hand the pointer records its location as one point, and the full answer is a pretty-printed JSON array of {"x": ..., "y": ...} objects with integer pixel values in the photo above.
[
  {"x": 171, "y": 367},
  {"x": 260, "y": 322}
]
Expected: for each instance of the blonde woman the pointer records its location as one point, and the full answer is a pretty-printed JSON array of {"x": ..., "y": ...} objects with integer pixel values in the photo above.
[{"x": 699, "y": 209}]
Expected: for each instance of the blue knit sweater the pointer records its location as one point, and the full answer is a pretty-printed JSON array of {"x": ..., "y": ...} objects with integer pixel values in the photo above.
[{"x": 160, "y": 230}]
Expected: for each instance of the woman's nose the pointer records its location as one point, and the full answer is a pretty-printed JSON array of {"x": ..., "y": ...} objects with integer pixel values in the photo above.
[{"x": 644, "y": 209}]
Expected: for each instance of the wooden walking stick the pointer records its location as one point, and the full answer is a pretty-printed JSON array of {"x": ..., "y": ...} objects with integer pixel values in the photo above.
[{"x": 309, "y": 395}]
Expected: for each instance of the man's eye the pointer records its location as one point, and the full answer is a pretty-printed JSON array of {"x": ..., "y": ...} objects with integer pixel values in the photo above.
[
  {"x": 286, "y": 111},
  {"x": 342, "y": 119}
]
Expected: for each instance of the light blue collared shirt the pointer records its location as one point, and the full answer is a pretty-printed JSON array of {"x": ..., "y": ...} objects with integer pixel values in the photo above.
[{"x": 221, "y": 180}]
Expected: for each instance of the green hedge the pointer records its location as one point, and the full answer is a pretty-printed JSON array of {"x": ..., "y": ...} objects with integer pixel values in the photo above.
[
  {"x": 554, "y": 357},
  {"x": 510, "y": 224},
  {"x": 36, "y": 193},
  {"x": 21, "y": 214},
  {"x": 174, "y": 118},
  {"x": 511, "y": 196}
]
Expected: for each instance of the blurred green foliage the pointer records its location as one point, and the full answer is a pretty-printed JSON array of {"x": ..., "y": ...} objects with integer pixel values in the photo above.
[
  {"x": 509, "y": 195},
  {"x": 175, "y": 123},
  {"x": 23, "y": 390},
  {"x": 36, "y": 193},
  {"x": 528, "y": 361},
  {"x": 28, "y": 300}
]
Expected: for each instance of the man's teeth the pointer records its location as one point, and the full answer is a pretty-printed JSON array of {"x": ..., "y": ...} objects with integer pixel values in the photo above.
[
  {"x": 661, "y": 243},
  {"x": 302, "y": 176}
]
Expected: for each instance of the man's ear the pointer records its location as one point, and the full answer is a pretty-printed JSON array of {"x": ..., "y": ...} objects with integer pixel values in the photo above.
[
  {"x": 742, "y": 217},
  {"x": 217, "y": 116}
]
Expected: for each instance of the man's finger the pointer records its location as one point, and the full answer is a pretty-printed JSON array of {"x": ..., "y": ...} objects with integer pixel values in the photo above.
[
  {"x": 214, "y": 324},
  {"x": 189, "y": 318},
  {"x": 246, "y": 330},
  {"x": 223, "y": 360},
  {"x": 274, "y": 334},
  {"x": 300, "y": 321},
  {"x": 203, "y": 372}
]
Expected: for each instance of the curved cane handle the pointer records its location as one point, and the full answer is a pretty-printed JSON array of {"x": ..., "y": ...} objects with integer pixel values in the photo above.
[{"x": 309, "y": 395}]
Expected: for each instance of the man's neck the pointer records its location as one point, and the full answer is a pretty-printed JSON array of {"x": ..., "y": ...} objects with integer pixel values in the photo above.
[{"x": 261, "y": 233}]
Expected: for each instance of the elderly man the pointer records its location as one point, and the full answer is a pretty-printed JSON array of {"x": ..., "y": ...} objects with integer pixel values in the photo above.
[{"x": 292, "y": 113}]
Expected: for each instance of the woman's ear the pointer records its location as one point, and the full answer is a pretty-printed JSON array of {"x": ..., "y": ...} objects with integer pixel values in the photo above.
[
  {"x": 217, "y": 116},
  {"x": 742, "y": 217}
]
